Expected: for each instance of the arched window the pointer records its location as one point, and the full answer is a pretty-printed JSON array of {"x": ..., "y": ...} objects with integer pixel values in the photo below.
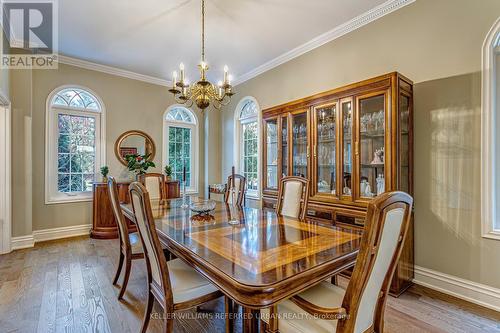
[
  {"x": 247, "y": 152},
  {"x": 490, "y": 145},
  {"x": 180, "y": 145},
  {"x": 74, "y": 142}
]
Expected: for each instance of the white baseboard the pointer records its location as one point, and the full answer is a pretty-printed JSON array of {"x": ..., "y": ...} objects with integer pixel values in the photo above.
[
  {"x": 22, "y": 242},
  {"x": 49, "y": 234},
  {"x": 470, "y": 291}
]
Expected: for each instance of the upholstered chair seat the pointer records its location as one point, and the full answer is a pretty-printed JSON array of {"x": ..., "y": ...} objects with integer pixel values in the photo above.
[
  {"x": 186, "y": 283},
  {"x": 294, "y": 319}
]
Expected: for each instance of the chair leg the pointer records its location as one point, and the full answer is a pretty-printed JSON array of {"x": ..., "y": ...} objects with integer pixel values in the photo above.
[
  {"x": 128, "y": 266},
  {"x": 169, "y": 322},
  {"x": 147, "y": 312},
  {"x": 119, "y": 269},
  {"x": 335, "y": 280},
  {"x": 228, "y": 308}
]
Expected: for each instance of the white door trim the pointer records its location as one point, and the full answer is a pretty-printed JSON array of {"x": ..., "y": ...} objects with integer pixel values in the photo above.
[{"x": 5, "y": 175}]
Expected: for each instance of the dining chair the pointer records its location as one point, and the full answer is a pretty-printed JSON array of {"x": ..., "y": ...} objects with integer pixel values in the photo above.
[
  {"x": 293, "y": 195},
  {"x": 329, "y": 308},
  {"x": 240, "y": 183},
  {"x": 175, "y": 285},
  {"x": 130, "y": 243},
  {"x": 155, "y": 183}
]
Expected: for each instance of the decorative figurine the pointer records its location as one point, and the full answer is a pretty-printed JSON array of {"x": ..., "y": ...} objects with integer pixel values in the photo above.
[
  {"x": 378, "y": 156},
  {"x": 380, "y": 184}
]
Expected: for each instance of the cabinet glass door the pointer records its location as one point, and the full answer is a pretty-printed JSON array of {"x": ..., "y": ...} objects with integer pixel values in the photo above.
[
  {"x": 272, "y": 154},
  {"x": 326, "y": 137},
  {"x": 404, "y": 144},
  {"x": 372, "y": 146},
  {"x": 284, "y": 146},
  {"x": 299, "y": 145},
  {"x": 346, "y": 109}
]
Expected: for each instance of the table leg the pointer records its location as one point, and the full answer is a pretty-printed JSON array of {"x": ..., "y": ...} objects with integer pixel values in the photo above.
[{"x": 250, "y": 320}]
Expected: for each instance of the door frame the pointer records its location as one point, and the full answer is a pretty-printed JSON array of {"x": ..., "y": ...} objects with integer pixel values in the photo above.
[{"x": 5, "y": 175}]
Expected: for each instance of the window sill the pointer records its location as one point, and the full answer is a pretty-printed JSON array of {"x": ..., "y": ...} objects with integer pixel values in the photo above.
[
  {"x": 68, "y": 200},
  {"x": 494, "y": 234}
]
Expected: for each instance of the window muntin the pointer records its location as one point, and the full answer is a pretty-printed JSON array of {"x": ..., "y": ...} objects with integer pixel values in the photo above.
[
  {"x": 248, "y": 145},
  {"x": 76, "y": 153},
  {"x": 180, "y": 152},
  {"x": 74, "y": 141},
  {"x": 76, "y": 98},
  {"x": 181, "y": 145},
  {"x": 180, "y": 115},
  {"x": 250, "y": 155}
]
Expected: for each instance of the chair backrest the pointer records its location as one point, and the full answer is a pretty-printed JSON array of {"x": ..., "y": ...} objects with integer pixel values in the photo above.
[
  {"x": 387, "y": 224},
  {"x": 293, "y": 196},
  {"x": 153, "y": 252},
  {"x": 240, "y": 183},
  {"x": 117, "y": 212},
  {"x": 155, "y": 183}
]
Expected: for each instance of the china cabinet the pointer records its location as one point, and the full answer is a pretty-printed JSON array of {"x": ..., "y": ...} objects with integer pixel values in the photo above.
[{"x": 353, "y": 143}]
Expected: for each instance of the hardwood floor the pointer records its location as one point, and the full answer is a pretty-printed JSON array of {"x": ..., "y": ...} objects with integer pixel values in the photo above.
[{"x": 65, "y": 286}]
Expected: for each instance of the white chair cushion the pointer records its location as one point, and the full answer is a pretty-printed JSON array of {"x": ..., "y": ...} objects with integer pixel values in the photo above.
[
  {"x": 292, "y": 194},
  {"x": 187, "y": 284},
  {"x": 292, "y": 319},
  {"x": 135, "y": 243},
  {"x": 153, "y": 186}
]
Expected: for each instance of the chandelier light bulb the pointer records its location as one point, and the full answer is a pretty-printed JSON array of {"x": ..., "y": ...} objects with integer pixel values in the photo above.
[{"x": 182, "y": 72}]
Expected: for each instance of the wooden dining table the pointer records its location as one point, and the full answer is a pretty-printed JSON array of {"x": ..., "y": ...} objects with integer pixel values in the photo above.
[{"x": 258, "y": 262}]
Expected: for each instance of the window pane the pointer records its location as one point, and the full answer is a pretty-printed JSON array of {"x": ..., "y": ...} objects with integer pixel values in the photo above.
[
  {"x": 180, "y": 152},
  {"x": 250, "y": 157},
  {"x": 76, "y": 158}
]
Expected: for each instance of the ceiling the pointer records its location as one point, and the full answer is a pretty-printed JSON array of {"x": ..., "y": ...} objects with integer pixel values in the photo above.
[{"x": 151, "y": 37}]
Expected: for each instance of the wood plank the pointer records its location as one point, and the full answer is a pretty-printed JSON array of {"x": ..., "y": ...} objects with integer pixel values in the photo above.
[{"x": 47, "y": 317}]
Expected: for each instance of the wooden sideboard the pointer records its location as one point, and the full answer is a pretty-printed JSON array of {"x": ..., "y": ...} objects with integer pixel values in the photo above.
[{"x": 103, "y": 223}]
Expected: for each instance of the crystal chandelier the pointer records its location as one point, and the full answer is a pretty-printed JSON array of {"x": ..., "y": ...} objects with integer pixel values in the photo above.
[{"x": 203, "y": 92}]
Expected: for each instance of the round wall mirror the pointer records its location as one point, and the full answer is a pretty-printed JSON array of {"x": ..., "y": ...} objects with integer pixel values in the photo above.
[{"x": 134, "y": 142}]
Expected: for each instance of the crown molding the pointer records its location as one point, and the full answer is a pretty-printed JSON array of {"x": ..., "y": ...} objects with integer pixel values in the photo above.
[
  {"x": 339, "y": 31},
  {"x": 62, "y": 59}
]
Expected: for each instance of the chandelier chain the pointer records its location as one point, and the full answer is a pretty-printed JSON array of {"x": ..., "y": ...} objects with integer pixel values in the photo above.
[{"x": 202, "y": 30}]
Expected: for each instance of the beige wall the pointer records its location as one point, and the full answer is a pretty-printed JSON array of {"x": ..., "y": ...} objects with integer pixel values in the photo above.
[
  {"x": 436, "y": 43},
  {"x": 130, "y": 104}
]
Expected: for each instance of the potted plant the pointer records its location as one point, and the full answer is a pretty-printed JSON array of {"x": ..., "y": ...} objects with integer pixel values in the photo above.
[
  {"x": 168, "y": 172},
  {"x": 104, "y": 173},
  {"x": 139, "y": 164}
]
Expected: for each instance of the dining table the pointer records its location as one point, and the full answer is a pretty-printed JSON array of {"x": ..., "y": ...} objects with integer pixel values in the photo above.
[{"x": 254, "y": 256}]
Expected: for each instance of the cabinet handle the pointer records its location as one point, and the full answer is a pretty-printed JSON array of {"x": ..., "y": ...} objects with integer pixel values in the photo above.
[
  {"x": 315, "y": 149},
  {"x": 356, "y": 148},
  {"x": 307, "y": 152}
]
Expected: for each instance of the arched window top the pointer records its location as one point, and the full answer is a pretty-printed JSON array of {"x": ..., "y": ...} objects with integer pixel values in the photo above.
[
  {"x": 76, "y": 98},
  {"x": 248, "y": 110},
  {"x": 181, "y": 115}
]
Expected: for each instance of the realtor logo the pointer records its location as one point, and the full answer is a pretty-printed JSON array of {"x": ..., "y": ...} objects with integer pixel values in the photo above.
[{"x": 30, "y": 29}]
